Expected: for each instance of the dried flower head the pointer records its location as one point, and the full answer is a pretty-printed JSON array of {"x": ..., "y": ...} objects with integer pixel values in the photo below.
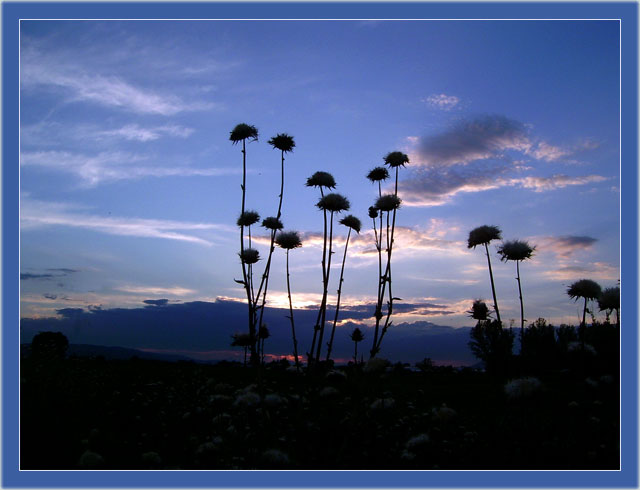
[
  {"x": 272, "y": 223},
  {"x": 357, "y": 335},
  {"x": 249, "y": 256},
  {"x": 334, "y": 202},
  {"x": 609, "y": 299},
  {"x": 321, "y": 179},
  {"x": 388, "y": 202},
  {"x": 242, "y": 132},
  {"x": 288, "y": 240},
  {"x": 352, "y": 222},
  {"x": 248, "y": 218},
  {"x": 396, "y": 159},
  {"x": 584, "y": 288},
  {"x": 373, "y": 212},
  {"x": 515, "y": 250},
  {"x": 483, "y": 235},
  {"x": 479, "y": 310},
  {"x": 378, "y": 174},
  {"x": 283, "y": 142}
]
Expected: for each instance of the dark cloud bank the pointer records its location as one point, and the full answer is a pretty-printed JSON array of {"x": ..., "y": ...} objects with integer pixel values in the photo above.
[{"x": 200, "y": 327}]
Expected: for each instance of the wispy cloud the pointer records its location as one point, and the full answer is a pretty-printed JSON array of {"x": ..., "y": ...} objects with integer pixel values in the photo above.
[
  {"x": 38, "y": 214},
  {"x": 134, "y": 132},
  {"x": 442, "y": 101},
  {"x": 156, "y": 290},
  {"x": 435, "y": 187},
  {"x": 39, "y": 69},
  {"x": 566, "y": 245},
  {"x": 112, "y": 166},
  {"x": 599, "y": 271}
]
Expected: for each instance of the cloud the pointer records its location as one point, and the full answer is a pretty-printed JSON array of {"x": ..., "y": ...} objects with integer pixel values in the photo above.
[
  {"x": 70, "y": 312},
  {"x": 111, "y": 166},
  {"x": 566, "y": 245},
  {"x": 549, "y": 153},
  {"x": 48, "y": 274},
  {"x": 442, "y": 101},
  {"x": 39, "y": 69},
  {"x": 156, "y": 290},
  {"x": 435, "y": 187},
  {"x": 599, "y": 271},
  {"x": 134, "y": 132},
  {"x": 50, "y": 296},
  {"x": 470, "y": 140},
  {"x": 156, "y": 302},
  {"x": 38, "y": 214}
]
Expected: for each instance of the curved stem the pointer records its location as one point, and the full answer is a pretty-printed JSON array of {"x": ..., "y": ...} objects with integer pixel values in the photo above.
[
  {"x": 335, "y": 318},
  {"x": 493, "y": 287},
  {"x": 323, "y": 306},
  {"x": 324, "y": 284},
  {"x": 293, "y": 327},
  {"x": 521, "y": 305}
]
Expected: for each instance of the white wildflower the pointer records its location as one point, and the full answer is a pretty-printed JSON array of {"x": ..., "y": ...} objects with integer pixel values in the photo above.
[
  {"x": 416, "y": 441},
  {"x": 335, "y": 376},
  {"x": 328, "y": 392},
  {"x": 407, "y": 455},
  {"x": 443, "y": 413},
  {"x": 522, "y": 387},
  {"x": 151, "y": 458},
  {"x": 382, "y": 403},
  {"x": 274, "y": 400},
  {"x": 275, "y": 457},
  {"x": 90, "y": 460},
  {"x": 591, "y": 382},
  {"x": 245, "y": 400}
]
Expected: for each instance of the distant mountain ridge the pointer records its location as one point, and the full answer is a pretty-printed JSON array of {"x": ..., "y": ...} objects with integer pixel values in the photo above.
[{"x": 111, "y": 352}]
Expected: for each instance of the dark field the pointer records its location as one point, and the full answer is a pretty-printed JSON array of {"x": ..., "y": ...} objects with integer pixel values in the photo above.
[{"x": 139, "y": 414}]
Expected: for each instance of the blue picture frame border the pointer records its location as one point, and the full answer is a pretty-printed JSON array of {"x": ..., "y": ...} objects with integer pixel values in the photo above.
[{"x": 627, "y": 477}]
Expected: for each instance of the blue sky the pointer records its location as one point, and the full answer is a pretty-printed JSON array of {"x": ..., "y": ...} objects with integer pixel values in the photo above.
[{"x": 130, "y": 188}]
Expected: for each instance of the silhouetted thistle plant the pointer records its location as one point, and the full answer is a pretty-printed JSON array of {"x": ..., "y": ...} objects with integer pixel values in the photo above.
[
  {"x": 517, "y": 251},
  {"x": 479, "y": 310},
  {"x": 241, "y": 133},
  {"x": 483, "y": 235},
  {"x": 249, "y": 256},
  {"x": 608, "y": 301},
  {"x": 285, "y": 144},
  {"x": 332, "y": 203},
  {"x": 352, "y": 223},
  {"x": 321, "y": 180},
  {"x": 243, "y": 340},
  {"x": 356, "y": 336},
  {"x": 589, "y": 290},
  {"x": 389, "y": 204},
  {"x": 288, "y": 240}
]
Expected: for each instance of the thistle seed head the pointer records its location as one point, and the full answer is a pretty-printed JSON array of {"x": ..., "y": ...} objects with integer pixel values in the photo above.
[
  {"x": 283, "y": 142},
  {"x": 248, "y": 218},
  {"x": 242, "y": 132}
]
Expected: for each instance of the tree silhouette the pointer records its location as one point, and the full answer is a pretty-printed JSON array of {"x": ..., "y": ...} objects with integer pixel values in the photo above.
[
  {"x": 517, "y": 251},
  {"x": 288, "y": 240},
  {"x": 589, "y": 290},
  {"x": 483, "y": 235},
  {"x": 352, "y": 223},
  {"x": 49, "y": 346},
  {"x": 609, "y": 300}
]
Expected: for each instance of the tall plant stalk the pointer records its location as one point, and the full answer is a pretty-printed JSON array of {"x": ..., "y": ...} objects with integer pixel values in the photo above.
[
  {"x": 352, "y": 223},
  {"x": 389, "y": 204},
  {"x": 288, "y": 241},
  {"x": 241, "y": 133}
]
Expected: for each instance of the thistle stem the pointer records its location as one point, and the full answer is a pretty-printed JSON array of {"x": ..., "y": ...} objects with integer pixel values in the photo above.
[
  {"x": 324, "y": 284},
  {"x": 493, "y": 287},
  {"x": 293, "y": 327},
  {"x": 335, "y": 318},
  {"x": 323, "y": 306}
]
